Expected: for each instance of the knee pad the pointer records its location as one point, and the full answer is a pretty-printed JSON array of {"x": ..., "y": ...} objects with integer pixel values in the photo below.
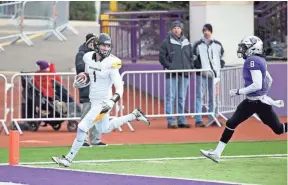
[{"x": 81, "y": 135}]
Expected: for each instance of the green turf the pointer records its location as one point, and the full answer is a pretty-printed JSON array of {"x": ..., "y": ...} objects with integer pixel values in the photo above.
[
  {"x": 268, "y": 171},
  {"x": 148, "y": 151},
  {"x": 261, "y": 171}
]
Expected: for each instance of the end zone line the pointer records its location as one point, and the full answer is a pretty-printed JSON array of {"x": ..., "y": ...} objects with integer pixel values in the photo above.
[
  {"x": 125, "y": 174},
  {"x": 159, "y": 159}
]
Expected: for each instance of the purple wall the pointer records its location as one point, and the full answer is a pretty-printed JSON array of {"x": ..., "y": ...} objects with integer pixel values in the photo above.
[{"x": 278, "y": 90}]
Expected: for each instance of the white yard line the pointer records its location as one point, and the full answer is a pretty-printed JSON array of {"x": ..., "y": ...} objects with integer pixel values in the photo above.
[
  {"x": 133, "y": 175},
  {"x": 156, "y": 159}
]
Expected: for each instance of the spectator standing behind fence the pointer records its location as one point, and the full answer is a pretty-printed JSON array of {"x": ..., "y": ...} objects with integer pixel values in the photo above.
[
  {"x": 95, "y": 135},
  {"x": 208, "y": 54},
  {"x": 176, "y": 54}
]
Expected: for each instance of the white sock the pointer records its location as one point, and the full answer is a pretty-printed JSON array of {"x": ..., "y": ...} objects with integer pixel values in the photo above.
[
  {"x": 220, "y": 148},
  {"x": 77, "y": 144},
  {"x": 119, "y": 121},
  {"x": 74, "y": 150}
]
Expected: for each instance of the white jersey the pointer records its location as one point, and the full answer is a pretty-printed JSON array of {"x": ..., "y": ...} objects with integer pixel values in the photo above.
[{"x": 102, "y": 76}]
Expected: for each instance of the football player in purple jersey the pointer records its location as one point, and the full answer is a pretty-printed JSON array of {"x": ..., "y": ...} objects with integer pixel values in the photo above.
[{"x": 257, "y": 83}]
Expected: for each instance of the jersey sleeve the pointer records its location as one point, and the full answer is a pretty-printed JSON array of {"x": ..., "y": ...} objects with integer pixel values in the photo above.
[{"x": 117, "y": 81}]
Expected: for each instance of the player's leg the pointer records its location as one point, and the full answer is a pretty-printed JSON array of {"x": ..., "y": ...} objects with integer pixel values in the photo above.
[
  {"x": 183, "y": 82},
  {"x": 85, "y": 110},
  {"x": 170, "y": 100},
  {"x": 95, "y": 137},
  {"x": 244, "y": 110},
  {"x": 83, "y": 127},
  {"x": 269, "y": 118},
  {"x": 211, "y": 97},
  {"x": 200, "y": 92},
  {"x": 108, "y": 126}
]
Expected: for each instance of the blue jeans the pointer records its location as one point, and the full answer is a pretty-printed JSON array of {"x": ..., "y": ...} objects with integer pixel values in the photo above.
[
  {"x": 201, "y": 89},
  {"x": 176, "y": 87}
]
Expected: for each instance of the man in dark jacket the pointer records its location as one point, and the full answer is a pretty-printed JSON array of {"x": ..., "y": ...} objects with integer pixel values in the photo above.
[
  {"x": 95, "y": 135},
  {"x": 176, "y": 54}
]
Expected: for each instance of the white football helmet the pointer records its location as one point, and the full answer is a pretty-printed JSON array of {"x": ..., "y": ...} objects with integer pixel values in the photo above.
[{"x": 250, "y": 46}]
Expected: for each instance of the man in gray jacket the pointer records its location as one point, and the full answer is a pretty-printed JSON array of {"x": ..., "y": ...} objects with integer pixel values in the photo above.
[
  {"x": 176, "y": 53},
  {"x": 95, "y": 135},
  {"x": 208, "y": 54}
]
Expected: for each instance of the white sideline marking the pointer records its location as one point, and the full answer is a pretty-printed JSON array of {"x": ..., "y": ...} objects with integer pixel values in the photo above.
[
  {"x": 34, "y": 141},
  {"x": 159, "y": 159},
  {"x": 10, "y": 183},
  {"x": 133, "y": 175}
]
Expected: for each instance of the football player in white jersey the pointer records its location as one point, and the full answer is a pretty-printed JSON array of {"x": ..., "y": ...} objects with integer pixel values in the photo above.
[{"x": 102, "y": 69}]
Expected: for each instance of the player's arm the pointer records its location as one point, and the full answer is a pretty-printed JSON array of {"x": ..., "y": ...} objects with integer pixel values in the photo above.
[
  {"x": 254, "y": 68},
  {"x": 116, "y": 78},
  {"x": 255, "y": 86},
  {"x": 117, "y": 82},
  {"x": 268, "y": 79}
]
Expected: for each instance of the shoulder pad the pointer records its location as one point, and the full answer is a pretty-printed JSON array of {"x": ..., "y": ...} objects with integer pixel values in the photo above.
[
  {"x": 116, "y": 64},
  {"x": 88, "y": 56}
]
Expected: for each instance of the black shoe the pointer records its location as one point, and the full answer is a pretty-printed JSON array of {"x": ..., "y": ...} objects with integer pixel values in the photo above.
[
  {"x": 184, "y": 125},
  {"x": 172, "y": 125},
  {"x": 99, "y": 144},
  {"x": 86, "y": 145},
  {"x": 199, "y": 124}
]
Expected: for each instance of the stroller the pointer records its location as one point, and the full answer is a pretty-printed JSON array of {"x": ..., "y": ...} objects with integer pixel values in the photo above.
[{"x": 42, "y": 103}]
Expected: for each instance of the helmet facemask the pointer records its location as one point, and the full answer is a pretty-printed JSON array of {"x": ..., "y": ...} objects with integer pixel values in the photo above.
[
  {"x": 104, "y": 50},
  {"x": 247, "y": 48}
]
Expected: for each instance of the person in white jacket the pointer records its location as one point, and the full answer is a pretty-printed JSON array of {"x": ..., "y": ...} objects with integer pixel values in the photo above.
[{"x": 208, "y": 54}]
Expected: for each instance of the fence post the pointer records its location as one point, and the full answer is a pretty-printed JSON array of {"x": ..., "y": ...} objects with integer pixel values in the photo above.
[
  {"x": 133, "y": 41},
  {"x": 162, "y": 28},
  {"x": 104, "y": 23}
]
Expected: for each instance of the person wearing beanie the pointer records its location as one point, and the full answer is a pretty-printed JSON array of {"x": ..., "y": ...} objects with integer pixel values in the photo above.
[
  {"x": 208, "y": 54},
  {"x": 176, "y": 54},
  {"x": 88, "y": 45},
  {"x": 45, "y": 84}
]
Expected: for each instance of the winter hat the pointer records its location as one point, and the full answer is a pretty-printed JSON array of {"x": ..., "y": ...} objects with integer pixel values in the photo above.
[
  {"x": 176, "y": 24},
  {"x": 42, "y": 64},
  {"x": 90, "y": 37},
  {"x": 207, "y": 27}
]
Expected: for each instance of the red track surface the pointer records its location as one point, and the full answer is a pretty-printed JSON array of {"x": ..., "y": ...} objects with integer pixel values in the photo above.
[{"x": 156, "y": 133}]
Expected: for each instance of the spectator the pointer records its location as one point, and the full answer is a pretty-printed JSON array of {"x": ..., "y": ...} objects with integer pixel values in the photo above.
[
  {"x": 45, "y": 84},
  {"x": 176, "y": 54},
  {"x": 95, "y": 135},
  {"x": 208, "y": 54}
]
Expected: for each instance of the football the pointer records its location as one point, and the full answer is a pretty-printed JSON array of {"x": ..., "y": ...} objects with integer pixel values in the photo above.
[{"x": 84, "y": 77}]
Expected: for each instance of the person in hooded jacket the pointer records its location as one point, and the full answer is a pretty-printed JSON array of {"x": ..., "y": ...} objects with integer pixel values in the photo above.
[
  {"x": 176, "y": 54},
  {"x": 88, "y": 45},
  {"x": 208, "y": 54}
]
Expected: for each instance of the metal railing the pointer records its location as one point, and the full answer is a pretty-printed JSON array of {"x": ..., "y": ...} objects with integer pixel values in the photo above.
[
  {"x": 3, "y": 102},
  {"x": 226, "y": 104},
  {"x": 51, "y": 16},
  {"x": 271, "y": 25},
  {"x": 46, "y": 97},
  {"x": 166, "y": 93},
  {"x": 158, "y": 93}
]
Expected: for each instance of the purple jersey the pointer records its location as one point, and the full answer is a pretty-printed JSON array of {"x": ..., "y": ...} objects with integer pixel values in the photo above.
[{"x": 255, "y": 63}]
